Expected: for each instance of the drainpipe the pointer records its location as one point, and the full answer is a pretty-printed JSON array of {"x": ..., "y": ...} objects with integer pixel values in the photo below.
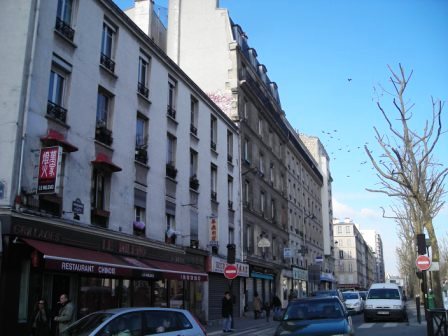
[{"x": 27, "y": 94}]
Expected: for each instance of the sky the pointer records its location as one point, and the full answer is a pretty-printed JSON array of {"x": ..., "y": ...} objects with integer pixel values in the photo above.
[{"x": 330, "y": 61}]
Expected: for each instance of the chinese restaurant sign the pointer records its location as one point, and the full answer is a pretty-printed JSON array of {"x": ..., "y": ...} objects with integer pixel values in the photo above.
[
  {"x": 213, "y": 224},
  {"x": 49, "y": 170}
]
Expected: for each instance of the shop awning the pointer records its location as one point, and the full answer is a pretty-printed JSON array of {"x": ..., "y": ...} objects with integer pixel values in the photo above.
[
  {"x": 74, "y": 259},
  {"x": 54, "y": 138}
]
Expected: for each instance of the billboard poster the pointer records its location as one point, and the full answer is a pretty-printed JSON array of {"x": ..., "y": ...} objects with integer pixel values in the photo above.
[{"x": 49, "y": 170}]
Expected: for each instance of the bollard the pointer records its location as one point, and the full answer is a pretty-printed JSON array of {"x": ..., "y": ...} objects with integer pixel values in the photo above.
[{"x": 417, "y": 304}]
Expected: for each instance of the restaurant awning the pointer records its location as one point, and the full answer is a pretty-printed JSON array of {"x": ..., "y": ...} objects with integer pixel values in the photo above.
[{"x": 74, "y": 259}]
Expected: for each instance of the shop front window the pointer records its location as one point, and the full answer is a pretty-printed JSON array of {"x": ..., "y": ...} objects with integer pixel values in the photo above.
[
  {"x": 176, "y": 294},
  {"x": 142, "y": 293},
  {"x": 98, "y": 294},
  {"x": 159, "y": 292}
]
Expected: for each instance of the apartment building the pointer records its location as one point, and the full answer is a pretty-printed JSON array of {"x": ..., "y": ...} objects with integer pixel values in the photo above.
[
  {"x": 373, "y": 239},
  {"x": 320, "y": 155},
  {"x": 354, "y": 260},
  {"x": 119, "y": 177}
]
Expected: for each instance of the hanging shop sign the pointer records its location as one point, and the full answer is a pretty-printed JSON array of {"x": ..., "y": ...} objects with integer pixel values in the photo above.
[
  {"x": 217, "y": 265},
  {"x": 213, "y": 230},
  {"x": 299, "y": 274},
  {"x": 49, "y": 170}
]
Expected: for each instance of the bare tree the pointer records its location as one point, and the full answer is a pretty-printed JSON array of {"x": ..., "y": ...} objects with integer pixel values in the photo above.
[{"x": 407, "y": 170}]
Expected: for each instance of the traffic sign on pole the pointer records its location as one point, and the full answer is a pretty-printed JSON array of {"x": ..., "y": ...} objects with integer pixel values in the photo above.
[
  {"x": 230, "y": 271},
  {"x": 423, "y": 263}
]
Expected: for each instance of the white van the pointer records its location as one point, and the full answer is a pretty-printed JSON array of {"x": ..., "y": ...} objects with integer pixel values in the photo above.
[{"x": 385, "y": 301}]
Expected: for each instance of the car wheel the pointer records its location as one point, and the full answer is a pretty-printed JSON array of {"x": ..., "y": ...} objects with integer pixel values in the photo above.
[{"x": 366, "y": 319}]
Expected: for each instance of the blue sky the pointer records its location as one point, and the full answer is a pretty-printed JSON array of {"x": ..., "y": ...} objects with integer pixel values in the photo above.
[{"x": 312, "y": 47}]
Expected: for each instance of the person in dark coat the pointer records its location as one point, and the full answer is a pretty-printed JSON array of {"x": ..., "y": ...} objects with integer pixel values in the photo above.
[
  {"x": 227, "y": 312},
  {"x": 276, "y": 306},
  {"x": 66, "y": 313},
  {"x": 41, "y": 320}
]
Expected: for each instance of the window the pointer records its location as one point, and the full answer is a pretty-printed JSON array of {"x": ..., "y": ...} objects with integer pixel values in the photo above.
[
  {"x": 262, "y": 202},
  {"x": 172, "y": 98},
  {"x": 231, "y": 236},
  {"x": 140, "y": 217},
  {"x": 246, "y": 193},
  {"x": 55, "y": 106},
  {"x": 193, "y": 115},
  {"x": 246, "y": 150},
  {"x": 103, "y": 111},
  {"x": 143, "y": 70},
  {"x": 99, "y": 201},
  {"x": 171, "y": 170},
  {"x": 213, "y": 132},
  {"x": 193, "y": 162},
  {"x": 273, "y": 210},
  {"x": 107, "y": 46},
  {"x": 229, "y": 146},
  {"x": 245, "y": 110},
  {"x": 230, "y": 191},
  {"x": 64, "y": 18},
  {"x": 350, "y": 268},
  {"x": 260, "y": 127},
  {"x": 213, "y": 181},
  {"x": 271, "y": 173},
  {"x": 170, "y": 235},
  {"x": 248, "y": 239},
  {"x": 347, "y": 229},
  {"x": 339, "y": 229},
  {"x": 341, "y": 254},
  {"x": 261, "y": 164},
  {"x": 141, "y": 145}
]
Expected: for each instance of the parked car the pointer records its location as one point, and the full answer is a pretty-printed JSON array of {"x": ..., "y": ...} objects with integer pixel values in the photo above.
[
  {"x": 353, "y": 302},
  {"x": 363, "y": 295},
  {"x": 137, "y": 322},
  {"x": 385, "y": 301},
  {"x": 332, "y": 292},
  {"x": 312, "y": 316}
]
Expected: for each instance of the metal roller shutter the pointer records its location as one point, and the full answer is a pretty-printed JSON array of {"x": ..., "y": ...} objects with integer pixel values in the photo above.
[{"x": 218, "y": 285}]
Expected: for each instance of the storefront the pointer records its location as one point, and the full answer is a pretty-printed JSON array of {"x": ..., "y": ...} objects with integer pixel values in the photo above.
[
  {"x": 300, "y": 281},
  {"x": 97, "y": 271},
  {"x": 260, "y": 283},
  {"x": 218, "y": 285},
  {"x": 287, "y": 283},
  {"x": 328, "y": 281}
]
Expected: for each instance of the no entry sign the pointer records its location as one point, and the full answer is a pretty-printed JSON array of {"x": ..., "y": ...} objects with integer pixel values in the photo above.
[
  {"x": 231, "y": 272},
  {"x": 423, "y": 263}
]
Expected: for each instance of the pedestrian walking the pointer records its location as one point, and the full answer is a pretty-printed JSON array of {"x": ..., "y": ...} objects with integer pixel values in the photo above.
[
  {"x": 66, "y": 313},
  {"x": 276, "y": 307},
  {"x": 257, "y": 305},
  {"x": 267, "y": 310},
  {"x": 227, "y": 312},
  {"x": 41, "y": 319}
]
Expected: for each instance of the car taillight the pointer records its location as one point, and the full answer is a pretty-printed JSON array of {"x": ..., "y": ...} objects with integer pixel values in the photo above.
[{"x": 200, "y": 325}]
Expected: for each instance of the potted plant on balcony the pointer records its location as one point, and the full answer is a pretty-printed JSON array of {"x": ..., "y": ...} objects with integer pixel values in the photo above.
[
  {"x": 171, "y": 171},
  {"x": 194, "y": 182}
]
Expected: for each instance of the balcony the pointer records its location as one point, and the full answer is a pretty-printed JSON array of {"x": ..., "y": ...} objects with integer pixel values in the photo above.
[
  {"x": 141, "y": 154},
  {"x": 142, "y": 89},
  {"x": 229, "y": 158},
  {"x": 57, "y": 112},
  {"x": 171, "y": 111},
  {"x": 102, "y": 134},
  {"x": 171, "y": 171},
  {"x": 64, "y": 29},
  {"x": 193, "y": 129},
  {"x": 100, "y": 217},
  {"x": 213, "y": 145},
  {"x": 194, "y": 183},
  {"x": 107, "y": 62},
  {"x": 213, "y": 196},
  {"x": 230, "y": 204}
]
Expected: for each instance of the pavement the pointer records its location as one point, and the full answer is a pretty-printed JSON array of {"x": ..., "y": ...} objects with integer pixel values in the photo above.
[{"x": 214, "y": 328}]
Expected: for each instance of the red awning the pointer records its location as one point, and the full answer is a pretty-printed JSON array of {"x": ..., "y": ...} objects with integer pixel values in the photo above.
[
  {"x": 54, "y": 138},
  {"x": 74, "y": 259},
  {"x": 102, "y": 161}
]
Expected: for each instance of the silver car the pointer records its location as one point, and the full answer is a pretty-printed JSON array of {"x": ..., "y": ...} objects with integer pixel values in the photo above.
[{"x": 137, "y": 322}]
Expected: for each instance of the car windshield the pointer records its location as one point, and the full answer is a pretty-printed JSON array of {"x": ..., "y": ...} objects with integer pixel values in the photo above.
[
  {"x": 350, "y": 296},
  {"x": 313, "y": 310},
  {"x": 384, "y": 293},
  {"x": 85, "y": 325}
]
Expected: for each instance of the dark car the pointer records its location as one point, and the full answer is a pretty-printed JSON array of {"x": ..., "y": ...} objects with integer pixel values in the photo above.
[
  {"x": 331, "y": 292},
  {"x": 312, "y": 316}
]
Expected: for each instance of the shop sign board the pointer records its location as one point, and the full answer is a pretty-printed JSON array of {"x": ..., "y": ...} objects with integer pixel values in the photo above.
[
  {"x": 217, "y": 266},
  {"x": 213, "y": 231},
  {"x": 287, "y": 253},
  {"x": 299, "y": 274},
  {"x": 48, "y": 181}
]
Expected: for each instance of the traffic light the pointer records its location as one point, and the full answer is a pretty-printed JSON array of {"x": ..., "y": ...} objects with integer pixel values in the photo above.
[
  {"x": 421, "y": 243},
  {"x": 231, "y": 253}
]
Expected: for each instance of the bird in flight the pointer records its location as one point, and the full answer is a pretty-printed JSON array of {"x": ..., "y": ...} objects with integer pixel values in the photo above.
[{"x": 349, "y": 79}]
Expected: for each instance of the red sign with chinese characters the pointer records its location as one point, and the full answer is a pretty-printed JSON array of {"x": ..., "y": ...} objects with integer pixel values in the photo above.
[
  {"x": 49, "y": 165},
  {"x": 213, "y": 230}
]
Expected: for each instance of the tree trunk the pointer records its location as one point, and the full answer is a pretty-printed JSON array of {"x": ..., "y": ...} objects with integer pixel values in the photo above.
[{"x": 436, "y": 283}]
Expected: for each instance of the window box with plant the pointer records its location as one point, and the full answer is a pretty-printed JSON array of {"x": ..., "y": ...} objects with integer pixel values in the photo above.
[
  {"x": 194, "y": 182},
  {"x": 102, "y": 133},
  {"x": 171, "y": 170},
  {"x": 141, "y": 154}
]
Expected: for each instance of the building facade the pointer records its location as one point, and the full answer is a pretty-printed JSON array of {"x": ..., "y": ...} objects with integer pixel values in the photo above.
[
  {"x": 373, "y": 239},
  {"x": 119, "y": 178}
]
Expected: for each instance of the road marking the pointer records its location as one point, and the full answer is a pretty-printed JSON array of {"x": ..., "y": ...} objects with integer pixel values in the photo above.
[
  {"x": 390, "y": 325},
  {"x": 366, "y": 325}
]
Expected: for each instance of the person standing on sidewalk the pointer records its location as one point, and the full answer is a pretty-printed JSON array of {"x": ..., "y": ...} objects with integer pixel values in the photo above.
[
  {"x": 267, "y": 309},
  {"x": 227, "y": 312},
  {"x": 66, "y": 313},
  {"x": 257, "y": 305}
]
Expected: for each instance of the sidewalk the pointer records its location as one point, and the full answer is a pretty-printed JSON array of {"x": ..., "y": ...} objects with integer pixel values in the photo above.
[{"x": 214, "y": 327}]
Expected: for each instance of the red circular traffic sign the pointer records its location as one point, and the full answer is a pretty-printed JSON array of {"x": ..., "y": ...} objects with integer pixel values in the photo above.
[
  {"x": 230, "y": 272},
  {"x": 423, "y": 263}
]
